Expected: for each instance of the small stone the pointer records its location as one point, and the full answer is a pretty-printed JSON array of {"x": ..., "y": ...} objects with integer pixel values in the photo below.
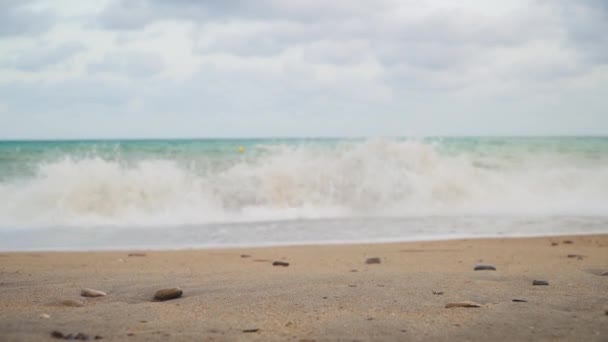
[
  {"x": 604, "y": 274},
  {"x": 45, "y": 316},
  {"x": 567, "y": 242},
  {"x": 353, "y": 271},
  {"x": 97, "y": 337},
  {"x": 485, "y": 268},
  {"x": 439, "y": 293},
  {"x": 370, "y": 261},
  {"x": 82, "y": 337},
  {"x": 554, "y": 243},
  {"x": 72, "y": 303},
  {"x": 465, "y": 304},
  {"x": 137, "y": 254},
  {"x": 578, "y": 256},
  {"x": 91, "y": 293},
  {"x": 166, "y": 294},
  {"x": 57, "y": 334},
  {"x": 516, "y": 300},
  {"x": 540, "y": 282},
  {"x": 251, "y": 330},
  {"x": 245, "y": 255},
  {"x": 280, "y": 263}
]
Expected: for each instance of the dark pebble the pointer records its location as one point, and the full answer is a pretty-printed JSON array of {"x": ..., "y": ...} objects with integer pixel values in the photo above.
[
  {"x": 485, "y": 268},
  {"x": 567, "y": 242},
  {"x": 520, "y": 300},
  {"x": 251, "y": 330},
  {"x": 57, "y": 334},
  {"x": 605, "y": 273},
  {"x": 81, "y": 337},
  {"x": 578, "y": 256},
  {"x": 280, "y": 263},
  {"x": 465, "y": 304},
  {"x": 97, "y": 337},
  {"x": 540, "y": 282},
  {"x": 439, "y": 293},
  {"x": 245, "y": 255},
  {"x": 372, "y": 261},
  {"x": 166, "y": 294},
  {"x": 554, "y": 243}
]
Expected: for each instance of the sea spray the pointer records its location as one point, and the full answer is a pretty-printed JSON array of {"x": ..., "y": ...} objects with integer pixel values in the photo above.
[{"x": 197, "y": 182}]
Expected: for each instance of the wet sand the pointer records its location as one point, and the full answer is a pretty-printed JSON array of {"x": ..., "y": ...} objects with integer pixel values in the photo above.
[{"x": 326, "y": 292}]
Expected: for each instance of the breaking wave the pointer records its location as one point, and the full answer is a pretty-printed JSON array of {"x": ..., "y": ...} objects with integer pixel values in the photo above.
[{"x": 370, "y": 178}]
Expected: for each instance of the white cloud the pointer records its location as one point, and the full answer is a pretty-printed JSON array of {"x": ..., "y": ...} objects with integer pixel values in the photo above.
[{"x": 305, "y": 67}]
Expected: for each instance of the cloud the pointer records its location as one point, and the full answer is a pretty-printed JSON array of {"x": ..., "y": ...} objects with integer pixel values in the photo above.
[
  {"x": 16, "y": 19},
  {"x": 311, "y": 67},
  {"x": 41, "y": 57},
  {"x": 129, "y": 64}
]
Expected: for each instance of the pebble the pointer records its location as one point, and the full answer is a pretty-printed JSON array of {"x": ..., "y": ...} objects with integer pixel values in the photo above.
[
  {"x": 251, "y": 330},
  {"x": 516, "y": 300},
  {"x": 605, "y": 273},
  {"x": 71, "y": 302},
  {"x": 280, "y": 263},
  {"x": 578, "y": 256},
  {"x": 78, "y": 336},
  {"x": 44, "y": 315},
  {"x": 485, "y": 268},
  {"x": 439, "y": 293},
  {"x": 465, "y": 304},
  {"x": 372, "y": 261},
  {"x": 91, "y": 293},
  {"x": 540, "y": 282},
  {"x": 170, "y": 293},
  {"x": 554, "y": 243},
  {"x": 567, "y": 242},
  {"x": 137, "y": 254},
  {"x": 245, "y": 255}
]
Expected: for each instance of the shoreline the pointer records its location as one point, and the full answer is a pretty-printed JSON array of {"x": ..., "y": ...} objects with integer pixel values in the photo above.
[
  {"x": 327, "y": 292},
  {"x": 303, "y": 244}
]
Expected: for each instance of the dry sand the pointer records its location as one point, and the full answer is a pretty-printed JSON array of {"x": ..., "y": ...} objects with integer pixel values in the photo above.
[{"x": 326, "y": 292}]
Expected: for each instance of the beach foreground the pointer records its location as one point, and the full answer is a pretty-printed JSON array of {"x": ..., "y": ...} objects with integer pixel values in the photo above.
[{"x": 326, "y": 292}]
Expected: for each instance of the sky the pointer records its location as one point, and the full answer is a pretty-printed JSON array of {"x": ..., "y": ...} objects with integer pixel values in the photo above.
[{"x": 72, "y": 69}]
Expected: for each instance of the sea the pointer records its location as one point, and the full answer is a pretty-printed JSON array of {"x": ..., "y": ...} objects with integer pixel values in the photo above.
[{"x": 215, "y": 193}]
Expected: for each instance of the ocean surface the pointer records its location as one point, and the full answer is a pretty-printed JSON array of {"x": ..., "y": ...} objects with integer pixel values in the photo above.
[{"x": 110, "y": 194}]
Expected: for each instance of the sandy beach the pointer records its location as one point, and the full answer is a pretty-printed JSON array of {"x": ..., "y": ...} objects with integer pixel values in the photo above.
[{"x": 326, "y": 292}]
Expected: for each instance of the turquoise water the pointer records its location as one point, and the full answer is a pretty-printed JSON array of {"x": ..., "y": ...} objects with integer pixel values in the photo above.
[
  {"x": 214, "y": 190},
  {"x": 22, "y": 158}
]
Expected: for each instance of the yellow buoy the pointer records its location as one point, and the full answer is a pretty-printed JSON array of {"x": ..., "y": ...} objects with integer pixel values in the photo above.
[{"x": 241, "y": 149}]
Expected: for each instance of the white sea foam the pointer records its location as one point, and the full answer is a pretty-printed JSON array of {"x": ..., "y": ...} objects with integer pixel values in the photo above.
[{"x": 375, "y": 178}]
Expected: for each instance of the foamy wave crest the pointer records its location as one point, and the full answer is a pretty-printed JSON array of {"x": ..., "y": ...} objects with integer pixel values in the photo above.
[{"x": 371, "y": 178}]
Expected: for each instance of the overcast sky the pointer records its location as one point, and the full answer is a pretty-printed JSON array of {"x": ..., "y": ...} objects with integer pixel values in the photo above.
[{"x": 234, "y": 68}]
